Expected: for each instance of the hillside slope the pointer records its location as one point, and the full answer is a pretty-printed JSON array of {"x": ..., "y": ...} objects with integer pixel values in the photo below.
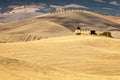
[
  {"x": 82, "y": 18},
  {"x": 29, "y": 30},
  {"x": 54, "y": 24},
  {"x": 63, "y": 58}
]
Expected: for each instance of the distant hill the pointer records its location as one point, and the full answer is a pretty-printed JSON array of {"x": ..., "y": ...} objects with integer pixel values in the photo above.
[
  {"x": 17, "y": 17},
  {"x": 105, "y": 7},
  {"x": 85, "y": 19},
  {"x": 16, "y": 10},
  {"x": 54, "y": 24}
]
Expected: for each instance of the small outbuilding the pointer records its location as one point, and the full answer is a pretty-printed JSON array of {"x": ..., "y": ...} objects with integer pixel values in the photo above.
[{"x": 92, "y": 32}]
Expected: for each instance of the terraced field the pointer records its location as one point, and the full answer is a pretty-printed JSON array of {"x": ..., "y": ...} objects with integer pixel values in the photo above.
[
  {"x": 11, "y": 38},
  {"x": 32, "y": 31}
]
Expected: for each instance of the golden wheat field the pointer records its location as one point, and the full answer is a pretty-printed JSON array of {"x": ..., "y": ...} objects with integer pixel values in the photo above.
[
  {"x": 46, "y": 48},
  {"x": 61, "y": 58}
]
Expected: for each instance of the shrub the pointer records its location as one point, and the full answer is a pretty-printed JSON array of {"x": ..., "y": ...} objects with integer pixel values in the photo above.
[
  {"x": 107, "y": 34},
  {"x": 78, "y": 28}
]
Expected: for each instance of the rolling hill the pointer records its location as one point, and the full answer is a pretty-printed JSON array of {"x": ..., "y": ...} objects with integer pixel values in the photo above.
[
  {"x": 61, "y": 58},
  {"x": 45, "y": 47},
  {"x": 54, "y": 24}
]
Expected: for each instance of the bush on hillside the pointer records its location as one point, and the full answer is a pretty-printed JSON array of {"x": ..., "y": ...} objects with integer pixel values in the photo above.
[{"x": 107, "y": 34}]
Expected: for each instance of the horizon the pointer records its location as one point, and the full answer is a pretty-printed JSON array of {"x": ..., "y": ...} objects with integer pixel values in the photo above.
[{"x": 108, "y": 7}]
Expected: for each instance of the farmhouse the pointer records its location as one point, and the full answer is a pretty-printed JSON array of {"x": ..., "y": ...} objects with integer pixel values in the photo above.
[{"x": 80, "y": 31}]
